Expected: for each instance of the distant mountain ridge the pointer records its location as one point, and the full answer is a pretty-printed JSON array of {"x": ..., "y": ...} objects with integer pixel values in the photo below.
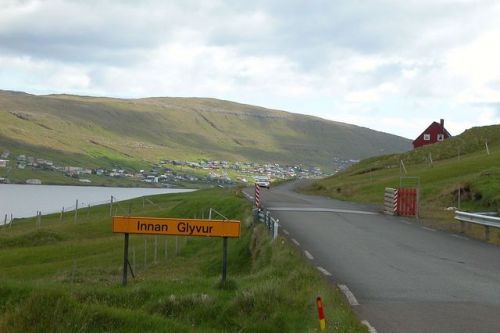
[{"x": 150, "y": 129}]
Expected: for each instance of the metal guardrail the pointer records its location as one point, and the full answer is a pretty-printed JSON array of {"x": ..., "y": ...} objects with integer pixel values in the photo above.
[
  {"x": 487, "y": 220},
  {"x": 272, "y": 224},
  {"x": 478, "y": 218}
]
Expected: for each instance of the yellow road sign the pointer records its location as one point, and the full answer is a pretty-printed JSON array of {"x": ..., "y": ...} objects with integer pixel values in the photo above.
[{"x": 176, "y": 226}]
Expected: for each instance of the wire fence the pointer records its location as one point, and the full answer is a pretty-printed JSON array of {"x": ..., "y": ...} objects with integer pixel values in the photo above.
[
  {"x": 8, "y": 219},
  {"x": 27, "y": 203},
  {"x": 82, "y": 211},
  {"x": 146, "y": 251}
]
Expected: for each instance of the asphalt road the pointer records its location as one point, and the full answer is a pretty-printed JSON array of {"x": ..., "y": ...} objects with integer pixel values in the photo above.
[{"x": 398, "y": 275}]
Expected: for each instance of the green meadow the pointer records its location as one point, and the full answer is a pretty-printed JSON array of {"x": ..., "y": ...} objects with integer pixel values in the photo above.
[
  {"x": 61, "y": 274},
  {"x": 461, "y": 172}
]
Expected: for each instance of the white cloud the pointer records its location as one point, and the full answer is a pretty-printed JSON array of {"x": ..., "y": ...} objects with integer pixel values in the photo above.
[
  {"x": 40, "y": 75},
  {"x": 340, "y": 60},
  {"x": 69, "y": 78},
  {"x": 365, "y": 96},
  {"x": 365, "y": 64},
  {"x": 478, "y": 63}
]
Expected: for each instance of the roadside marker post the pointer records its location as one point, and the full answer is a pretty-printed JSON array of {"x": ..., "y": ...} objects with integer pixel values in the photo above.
[
  {"x": 257, "y": 196},
  {"x": 321, "y": 314},
  {"x": 275, "y": 228}
]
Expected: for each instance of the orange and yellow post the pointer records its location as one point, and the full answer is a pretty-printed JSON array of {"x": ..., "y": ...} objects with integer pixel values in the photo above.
[{"x": 321, "y": 314}]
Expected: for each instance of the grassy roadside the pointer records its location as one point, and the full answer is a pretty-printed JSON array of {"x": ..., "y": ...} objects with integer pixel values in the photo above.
[
  {"x": 458, "y": 172},
  {"x": 62, "y": 276}
]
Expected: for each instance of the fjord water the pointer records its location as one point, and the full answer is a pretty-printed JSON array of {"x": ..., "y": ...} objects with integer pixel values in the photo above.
[{"x": 26, "y": 200}]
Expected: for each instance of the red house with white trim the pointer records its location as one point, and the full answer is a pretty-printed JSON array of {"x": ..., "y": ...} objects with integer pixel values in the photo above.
[{"x": 434, "y": 133}]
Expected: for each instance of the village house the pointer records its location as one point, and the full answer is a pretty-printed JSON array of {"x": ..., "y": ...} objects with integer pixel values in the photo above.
[
  {"x": 436, "y": 132},
  {"x": 3, "y": 163},
  {"x": 70, "y": 170},
  {"x": 99, "y": 171}
]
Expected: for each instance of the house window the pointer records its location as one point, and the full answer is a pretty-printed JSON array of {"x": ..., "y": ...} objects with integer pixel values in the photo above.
[
  {"x": 427, "y": 137},
  {"x": 440, "y": 137}
]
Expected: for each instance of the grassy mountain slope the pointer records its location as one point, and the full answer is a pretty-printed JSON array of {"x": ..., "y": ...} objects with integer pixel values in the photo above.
[
  {"x": 185, "y": 128},
  {"x": 460, "y": 167}
]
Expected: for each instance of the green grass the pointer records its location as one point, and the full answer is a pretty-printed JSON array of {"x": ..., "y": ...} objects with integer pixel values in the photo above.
[
  {"x": 459, "y": 165},
  {"x": 65, "y": 276}
]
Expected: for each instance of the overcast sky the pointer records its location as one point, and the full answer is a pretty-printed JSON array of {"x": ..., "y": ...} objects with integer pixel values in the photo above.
[{"x": 393, "y": 65}]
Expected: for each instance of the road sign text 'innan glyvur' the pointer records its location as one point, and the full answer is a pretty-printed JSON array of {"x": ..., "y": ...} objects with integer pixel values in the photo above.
[{"x": 176, "y": 226}]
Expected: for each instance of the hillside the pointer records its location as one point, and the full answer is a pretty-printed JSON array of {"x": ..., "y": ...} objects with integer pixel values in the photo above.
[
  {"x": 104, "y": 130},
  {"x": 62, "y": 275},
  {"x": 457, "y": 172}
]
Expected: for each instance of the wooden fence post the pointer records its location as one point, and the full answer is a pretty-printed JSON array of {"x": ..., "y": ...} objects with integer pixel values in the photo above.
[
  {"x": 76, "y": 211},
  {"x": 111, "y": 207}
]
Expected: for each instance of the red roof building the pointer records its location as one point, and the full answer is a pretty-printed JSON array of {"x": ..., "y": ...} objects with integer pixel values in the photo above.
[{"x": 434, "y": 133}]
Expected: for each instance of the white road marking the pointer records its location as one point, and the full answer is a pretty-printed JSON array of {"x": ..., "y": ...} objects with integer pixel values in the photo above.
[
  {"x": 295, "y": 242},
  {"x": 286, "y": 232},
  {"x": 406, "y": 222},
  {"x": 348, "y": 294},
  {"x": 371, "y": 329},
  {"x": 428, "y": 229},
  {"x": 308, "y": 255},
  {"x": 460, "y": 237},
  {"x": 324, "y": 271},
  {"x": 296, "y": 209},
  {"x": 249, "y": 197}
]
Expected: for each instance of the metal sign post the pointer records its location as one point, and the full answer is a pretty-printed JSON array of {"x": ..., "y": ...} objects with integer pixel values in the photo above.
[
  {"x": 224, "y": 249},
  {"x": 224, "y": 260},
  {"x": 125, "y": 260}
]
